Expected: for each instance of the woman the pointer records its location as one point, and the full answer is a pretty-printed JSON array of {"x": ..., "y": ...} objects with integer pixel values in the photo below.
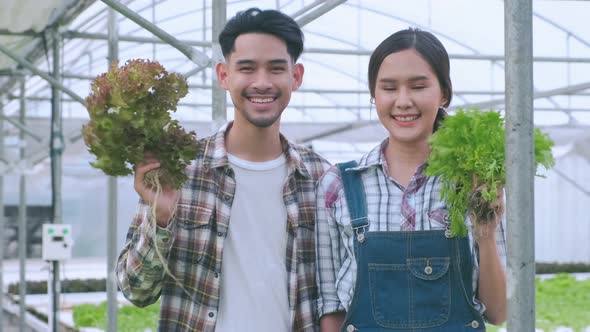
[{"x": 384, "y": 262}]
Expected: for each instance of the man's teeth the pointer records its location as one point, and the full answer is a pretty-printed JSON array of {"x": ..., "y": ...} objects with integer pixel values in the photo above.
[
  {"x": 404, "y": 118},
  {"x": 262, "y": 100}
]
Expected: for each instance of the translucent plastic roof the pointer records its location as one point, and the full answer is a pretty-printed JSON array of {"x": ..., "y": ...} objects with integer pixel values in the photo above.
[{"x": 331, "y": 110}]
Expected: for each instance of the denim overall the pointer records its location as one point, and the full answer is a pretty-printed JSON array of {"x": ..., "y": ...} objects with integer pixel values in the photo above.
[{"x": 407, "y": 281}]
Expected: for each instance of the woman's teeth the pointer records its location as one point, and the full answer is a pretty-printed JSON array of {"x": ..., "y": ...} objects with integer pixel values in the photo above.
[{"x": 405, "y": 118}]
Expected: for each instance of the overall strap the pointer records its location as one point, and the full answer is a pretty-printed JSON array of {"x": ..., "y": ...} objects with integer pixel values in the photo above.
[{"x": 355, "y": 198}]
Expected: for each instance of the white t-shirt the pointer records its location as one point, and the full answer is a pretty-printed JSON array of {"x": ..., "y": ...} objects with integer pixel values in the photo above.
[{"x": 254, "y": 285}]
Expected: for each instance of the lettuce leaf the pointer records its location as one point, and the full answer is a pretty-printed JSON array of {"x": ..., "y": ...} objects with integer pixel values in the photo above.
[
  {"x": 469, "y": 143},
  {"x": 129, "y": 110}
]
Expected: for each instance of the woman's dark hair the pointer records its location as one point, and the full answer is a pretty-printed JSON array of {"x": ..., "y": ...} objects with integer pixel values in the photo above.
[
  {"x": 270, "y": 22},
  {"x": 431, "y": 50}
]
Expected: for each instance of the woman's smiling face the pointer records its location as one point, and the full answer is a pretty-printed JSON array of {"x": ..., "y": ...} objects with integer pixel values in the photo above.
[{"x": 407, "y": 96}]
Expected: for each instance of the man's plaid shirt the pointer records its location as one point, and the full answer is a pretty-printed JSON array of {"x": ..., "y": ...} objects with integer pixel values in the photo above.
[{"x": 193, "y": 243}]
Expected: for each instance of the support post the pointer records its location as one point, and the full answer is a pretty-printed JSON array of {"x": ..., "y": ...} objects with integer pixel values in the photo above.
[
  {"x": 2, "y": 221},
  {"x": 22, "y": 218},
  {"x": 520, "y": 169},
  {"x": 218, "y": 95},
  {"x": 113, "y": 31},
  {"x": 56, "y": 147}
]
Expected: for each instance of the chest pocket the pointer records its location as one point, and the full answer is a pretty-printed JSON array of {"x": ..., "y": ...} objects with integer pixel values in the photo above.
[
  {"x": 422, "y": 293},
  {"x": 191, "y": 251},
  {"x": 191, "y": 216}
]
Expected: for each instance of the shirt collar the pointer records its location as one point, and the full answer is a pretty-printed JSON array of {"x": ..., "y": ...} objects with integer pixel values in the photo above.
[
  {"x": 215, "y": 154},
  {"x": 376, "y": 158}
]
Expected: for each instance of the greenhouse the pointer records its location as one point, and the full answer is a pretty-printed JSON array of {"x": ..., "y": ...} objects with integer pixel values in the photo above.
[{"x": 51, "y": 51}]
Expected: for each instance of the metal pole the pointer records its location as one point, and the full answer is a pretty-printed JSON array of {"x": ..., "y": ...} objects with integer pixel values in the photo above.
[
  {"x": 306, "y": 8},
  {"x": 476, "y": 57},
  {"x": 133, "y": 39},
  {"x": 204, "y": 37},
  {"x": 2, "y": 222},
  {"x": 56, "y": 149},
  {"x": 537, "y": 95},
  {"x": 113, "y": 30},
  {"x": 154, "y": 23},
  {"x": 218, "y": 96},
  {"x": 38, "y": 72},
  {"x": 26, "y": 130},
  {"x": 22, "y": 219},
  {"x": 326, "y": 7},
  {"x": 519, "y": 166},
  {"x": 200, "y": 59}
]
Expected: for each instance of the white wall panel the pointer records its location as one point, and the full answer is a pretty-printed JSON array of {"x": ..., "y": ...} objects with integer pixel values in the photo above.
[{"x": 562, "y": 213}]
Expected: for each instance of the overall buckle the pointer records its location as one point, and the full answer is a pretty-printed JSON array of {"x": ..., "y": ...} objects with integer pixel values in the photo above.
[{"x": 360, "y": 233}]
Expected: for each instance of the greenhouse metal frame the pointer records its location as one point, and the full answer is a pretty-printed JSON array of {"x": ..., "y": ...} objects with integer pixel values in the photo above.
[{"x": 71, "y": 44}]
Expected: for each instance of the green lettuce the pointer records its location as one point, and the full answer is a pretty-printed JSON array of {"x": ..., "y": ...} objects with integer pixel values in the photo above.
[
  {"x": 129, "y": 110},
  {"x": 467, "y": 152}
]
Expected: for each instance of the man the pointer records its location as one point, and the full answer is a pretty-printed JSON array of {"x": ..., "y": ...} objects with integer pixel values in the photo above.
[{"x": 240, "y": 246}]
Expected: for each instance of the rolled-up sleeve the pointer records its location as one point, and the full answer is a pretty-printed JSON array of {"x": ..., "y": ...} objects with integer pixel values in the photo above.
[
  {"x": 328, "y": 245},
  {"x": 141, "y": 265}
]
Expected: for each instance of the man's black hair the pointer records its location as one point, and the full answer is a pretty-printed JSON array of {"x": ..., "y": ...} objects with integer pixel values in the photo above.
[{"x": 271, "y": 22}]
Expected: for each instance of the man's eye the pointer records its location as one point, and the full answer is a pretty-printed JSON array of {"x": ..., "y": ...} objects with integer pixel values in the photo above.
[
  {"x": 246, "y": 69},
  {"x": 277, "y": 69}
]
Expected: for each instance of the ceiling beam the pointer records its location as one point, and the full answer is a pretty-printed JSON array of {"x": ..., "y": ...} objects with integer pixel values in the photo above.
[
  {"x": 199, "y": 58},
  {"x": 312, "y": 15}
]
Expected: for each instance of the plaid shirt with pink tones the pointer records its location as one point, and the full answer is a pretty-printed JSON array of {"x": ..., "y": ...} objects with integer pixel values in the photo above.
[
  {"x": 390, "y": 207},
  {"x": 193, "y": 243}
]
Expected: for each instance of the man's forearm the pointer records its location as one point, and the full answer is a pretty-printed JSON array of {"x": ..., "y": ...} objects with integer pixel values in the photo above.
[{"x": 140, "y": 269}]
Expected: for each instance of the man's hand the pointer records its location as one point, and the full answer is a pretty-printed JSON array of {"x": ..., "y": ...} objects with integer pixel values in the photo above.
[{"x": 166, "y": 201}]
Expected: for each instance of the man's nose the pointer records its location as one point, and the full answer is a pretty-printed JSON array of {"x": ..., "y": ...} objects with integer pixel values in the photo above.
[{"x": 262, "y": 82}]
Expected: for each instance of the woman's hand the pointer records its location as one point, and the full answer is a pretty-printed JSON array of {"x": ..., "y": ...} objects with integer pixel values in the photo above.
[{"x": 485, "y": 215}]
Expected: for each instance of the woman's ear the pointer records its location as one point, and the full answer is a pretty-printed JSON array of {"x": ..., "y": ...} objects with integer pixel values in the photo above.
[{"x": 446, "y": 96}]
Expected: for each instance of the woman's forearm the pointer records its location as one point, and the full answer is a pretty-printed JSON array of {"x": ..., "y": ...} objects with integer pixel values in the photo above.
[
  {"x": 332, "y": 322},
  {"x": 492, "y": 281}
]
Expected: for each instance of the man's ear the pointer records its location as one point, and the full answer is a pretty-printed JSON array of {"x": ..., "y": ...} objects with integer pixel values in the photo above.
[
  {"x": 298, "y": 71},
  {"x": 221, "y": 70}
]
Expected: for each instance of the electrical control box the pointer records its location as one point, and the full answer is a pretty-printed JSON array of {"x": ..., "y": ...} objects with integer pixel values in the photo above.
[{"x": 57, "y": 242}]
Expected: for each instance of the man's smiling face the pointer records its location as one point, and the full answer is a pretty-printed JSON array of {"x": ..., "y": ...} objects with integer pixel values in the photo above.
[{"x": 260, "y": 76}]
